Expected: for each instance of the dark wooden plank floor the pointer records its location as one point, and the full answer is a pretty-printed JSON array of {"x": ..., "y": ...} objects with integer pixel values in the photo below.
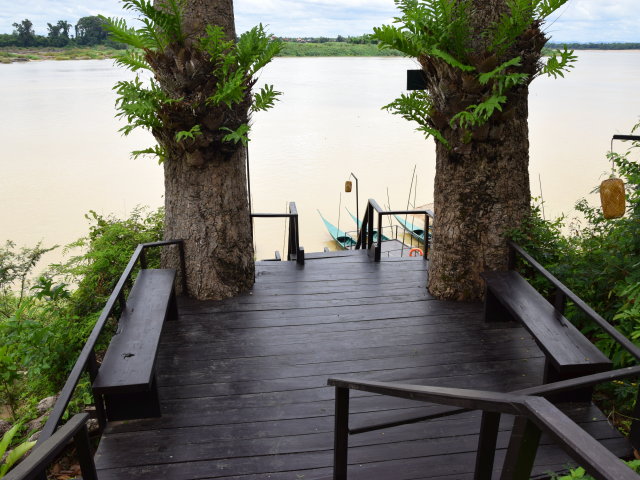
[{"x": 243, "y": 381}]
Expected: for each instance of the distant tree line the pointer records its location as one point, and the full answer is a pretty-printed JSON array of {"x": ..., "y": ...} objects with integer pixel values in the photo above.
[
  {"x": 357, "y": 40},
  {"x": 597, "y": 46},
  {"x": 88, "y": 31}
]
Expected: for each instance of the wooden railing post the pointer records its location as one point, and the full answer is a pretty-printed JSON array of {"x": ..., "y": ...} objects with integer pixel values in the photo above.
[
  {"x": 512, "y": 257},
  {"x": 85, "y": 456},
  {"x": 101, "y": 414},
  {"x": 426, "y": 236},
  {"x": 291, "y": 246},
  {"x": 522, "y": 449},
  {"x": 362, "y": 229},
  {"x": 378, "y": 252},
  {"x": 487, "y": 445},
  {"x": 369, "y": 227},
  {"x": 560, "y": 301},
  {"x": 143, "y": 259},
  {"x": 341, "y": 434},
  {"x": 634, "y": 434},
  {"x": 122, "y": 301}
]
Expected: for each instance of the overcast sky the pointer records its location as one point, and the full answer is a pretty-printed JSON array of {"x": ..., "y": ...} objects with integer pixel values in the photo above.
[{"x": 579, "y": 20}]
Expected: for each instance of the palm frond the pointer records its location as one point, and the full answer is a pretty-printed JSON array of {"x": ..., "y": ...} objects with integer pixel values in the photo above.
[
  {"x": 255, "y": 50},
  {"x": 544, "y": 8},
  {"x": 120, "y": 32},
  {"x": 558, "y": 63},
  {"x": 512, "y": 24},
  {"x": 393, "y": 37},
  {"x": 265, "y": 98},
  {"x": 133, "y": 59}
]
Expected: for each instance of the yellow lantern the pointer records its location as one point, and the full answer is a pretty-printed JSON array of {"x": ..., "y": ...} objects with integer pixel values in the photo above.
[
  {"x": 347, "y": 186},
  {"x": 612, "y": 197}
]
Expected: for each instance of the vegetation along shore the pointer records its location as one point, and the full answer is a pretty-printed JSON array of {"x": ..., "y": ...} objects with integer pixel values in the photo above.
[{"x": 306, "y": 48}]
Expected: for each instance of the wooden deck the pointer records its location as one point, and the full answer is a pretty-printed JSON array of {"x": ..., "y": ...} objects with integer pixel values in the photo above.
[{"x": 243, "y": 381}]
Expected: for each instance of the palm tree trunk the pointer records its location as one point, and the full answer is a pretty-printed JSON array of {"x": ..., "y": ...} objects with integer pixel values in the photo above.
[{"x": 206, "y": 193}]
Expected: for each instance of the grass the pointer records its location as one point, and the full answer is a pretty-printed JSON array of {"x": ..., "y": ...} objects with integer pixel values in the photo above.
[
  {"x": 335, "y": 49},
  {"x": 291, "y": 49},
  {"x": 13, "y": 54}
]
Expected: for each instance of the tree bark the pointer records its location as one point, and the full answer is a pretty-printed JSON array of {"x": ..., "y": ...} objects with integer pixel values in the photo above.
[
  {"x": 481, "y": 186},
  {"x": 477, "y": 199},
  {"x": 206, "y": 201},
  {"x": 207, "y": 207}
]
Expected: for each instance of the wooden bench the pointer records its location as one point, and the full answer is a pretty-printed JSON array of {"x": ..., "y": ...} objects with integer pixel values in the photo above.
[
  {"x": 126, "y": 378},
  {"x": 569, "y": 354}
]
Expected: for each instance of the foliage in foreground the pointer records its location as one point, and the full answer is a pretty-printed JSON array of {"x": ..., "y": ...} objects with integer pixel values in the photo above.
[
  {"x": 14, "y": 455},
  {"x": 580, "y": 474},
  {"x": 599, "y": 260},
  {"x": 44, "y": 322},
  {"x": 441, "y": 35},
  {"x": 191, "y": 104}
]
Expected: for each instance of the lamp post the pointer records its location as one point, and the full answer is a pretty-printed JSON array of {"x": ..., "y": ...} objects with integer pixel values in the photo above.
[{"x": 347, "y": 188}]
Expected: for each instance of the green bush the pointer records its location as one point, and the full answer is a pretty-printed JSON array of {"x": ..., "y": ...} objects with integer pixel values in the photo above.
[
  {"x": 334, "y": 49},
  {"x": 14, "y": 455},
  {"x": 599, "y": 260},
  {"x": 580, "y": 474},
  {"x": 43, "y": 325},
  {"x": 105, "y": 254}
]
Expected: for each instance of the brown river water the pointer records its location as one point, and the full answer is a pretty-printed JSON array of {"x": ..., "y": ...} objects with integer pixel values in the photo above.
[{"x": 61, "y": 154}]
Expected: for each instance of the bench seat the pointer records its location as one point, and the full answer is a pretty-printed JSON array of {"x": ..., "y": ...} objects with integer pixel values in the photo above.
[
  {"x": 568, "y": 352},
  {"x": 126, "y": 377}
]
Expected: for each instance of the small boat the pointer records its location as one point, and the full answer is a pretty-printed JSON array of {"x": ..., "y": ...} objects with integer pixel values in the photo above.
[
  {"x": 415, "y": 232},
  {"x": 375, "y": 232},
  {"x": 343, "y": 239}
]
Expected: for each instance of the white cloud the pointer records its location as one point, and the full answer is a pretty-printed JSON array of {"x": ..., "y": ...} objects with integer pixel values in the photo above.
[
  {"x": 579, "y": 20},
  {"x": 596, "y": 21}
]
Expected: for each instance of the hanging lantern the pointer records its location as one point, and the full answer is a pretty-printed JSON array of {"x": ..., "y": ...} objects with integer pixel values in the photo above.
[
  {"x": 347, "y": 186},
  {"x": 612, "y": 197}
]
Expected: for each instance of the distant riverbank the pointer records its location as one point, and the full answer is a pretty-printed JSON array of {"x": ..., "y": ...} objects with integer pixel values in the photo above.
[
  {"x": 291, "y": 49},
  {"x": 336, "y": 49},
  {"x": 25, "y": 54}
]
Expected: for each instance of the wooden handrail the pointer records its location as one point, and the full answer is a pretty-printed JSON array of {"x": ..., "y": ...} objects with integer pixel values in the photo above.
[
  {"x": 562, "y": 294},
  {"x": 365, "y": 233},
  {"x": 294, "y": 250},
  {"x": 578, "y": 444},
  {"x": 87, "y": 359},
  {"x": 455, "y": 397},
  {"x": 533, "y": 416},
  {"x": 578, "y": 302}
]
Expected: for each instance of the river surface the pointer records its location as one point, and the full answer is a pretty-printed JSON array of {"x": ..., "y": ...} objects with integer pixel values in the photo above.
[{"x": 61, "y": 154}]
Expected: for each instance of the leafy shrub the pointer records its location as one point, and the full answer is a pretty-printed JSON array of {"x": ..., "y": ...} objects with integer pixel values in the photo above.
[
  {"x": 106, "y": 252},
  {"x": 14, "y": 455},
  {"x": 580, "y": 474},
  {"x": 43, "y": 325},
  {"x": 599, "y": 260}
]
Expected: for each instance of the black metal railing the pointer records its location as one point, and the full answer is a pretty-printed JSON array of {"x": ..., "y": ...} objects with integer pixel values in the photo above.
[
  {"x": 533, "y": 415},
  {"x": 294, "y": 250},
  {"x": 562, "y": 295},
  {"x": 87, "y": 361},
  {"x": 367, "y": 233},
  {"x": 528, "y": 426},
  {"x": 36, "y": 464}
]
